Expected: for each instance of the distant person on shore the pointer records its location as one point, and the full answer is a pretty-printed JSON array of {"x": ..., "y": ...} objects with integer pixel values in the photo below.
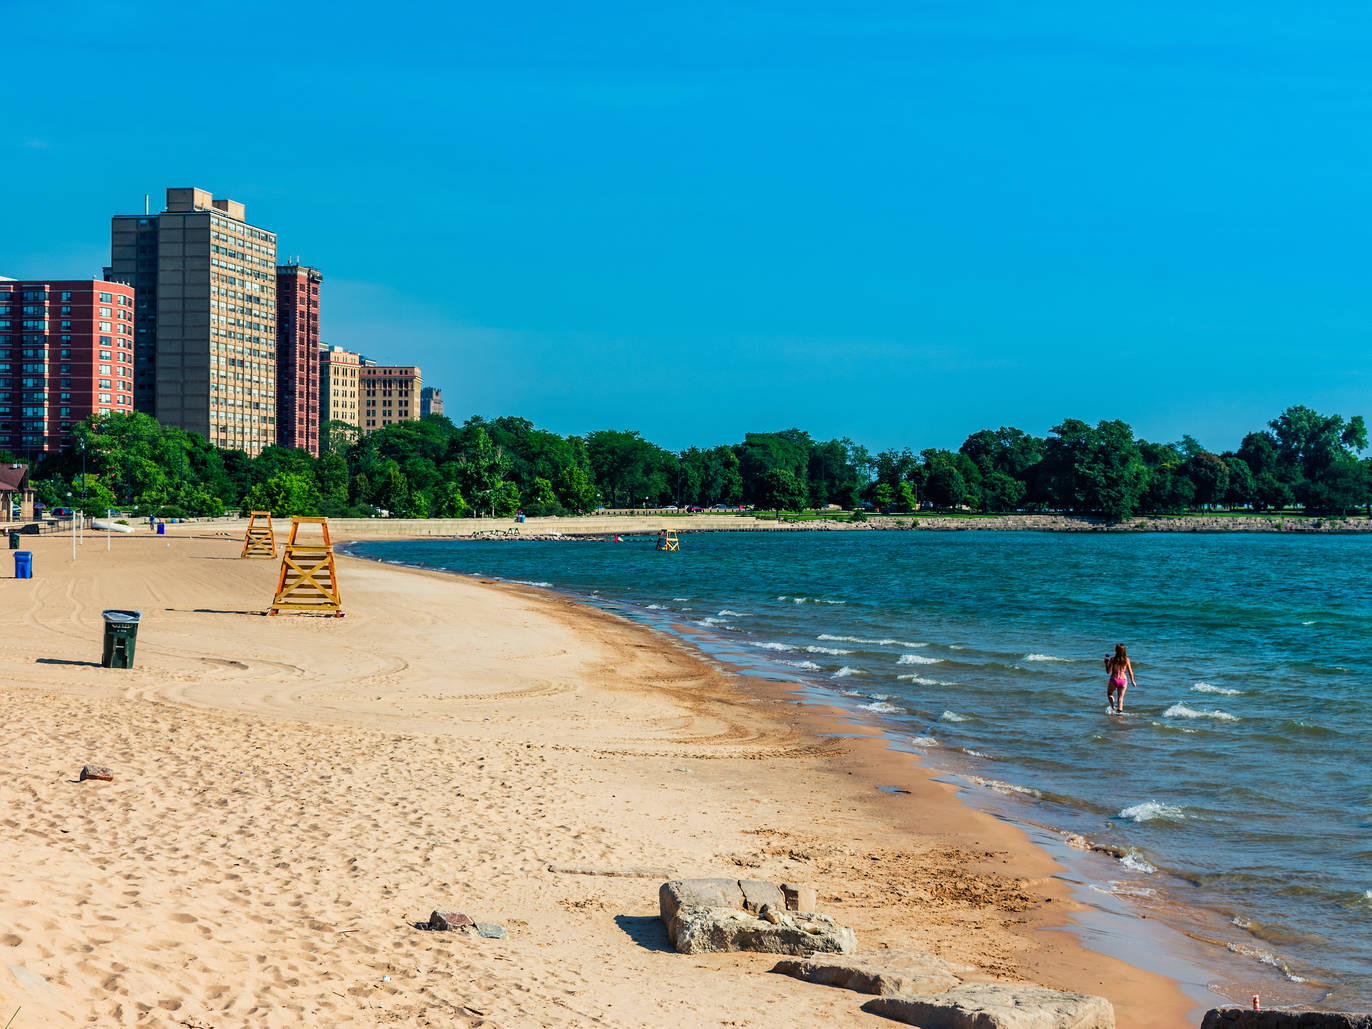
[{"x": 1120, "y": 675}]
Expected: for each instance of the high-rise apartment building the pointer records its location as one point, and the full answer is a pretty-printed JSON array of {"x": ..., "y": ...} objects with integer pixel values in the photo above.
[
  {"x": 430, "y": 401},
  {"x": 205, "y": 324},
  {"x": 297, "y": 357},
  {"x": 66, "y": 352},
  {"x": 390, "y": 394},
  {"x": 338, "y": 386}
]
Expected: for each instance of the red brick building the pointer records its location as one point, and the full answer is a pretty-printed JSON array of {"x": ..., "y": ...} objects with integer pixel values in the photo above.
[
  {"x": 66, "y": 352},
  {"x": 297, "y": 357}
]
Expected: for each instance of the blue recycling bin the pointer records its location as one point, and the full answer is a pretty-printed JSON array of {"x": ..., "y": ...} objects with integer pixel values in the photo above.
[
  {"x": 161, "y": 528},
  {"x": 23, "y": 564}
]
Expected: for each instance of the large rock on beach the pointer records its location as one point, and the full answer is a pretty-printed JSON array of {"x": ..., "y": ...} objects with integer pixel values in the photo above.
[
  {"x": 996, "y": 1006},
  {"x": 884, "y": 973},
  {"x": 1244, "y": 1018},
  {"x": 710, "y": 930},
  {"x": 97, "y": 772}
]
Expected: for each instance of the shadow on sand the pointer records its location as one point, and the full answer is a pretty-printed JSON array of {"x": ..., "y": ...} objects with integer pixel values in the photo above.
[{"x": 647, "y": 931}]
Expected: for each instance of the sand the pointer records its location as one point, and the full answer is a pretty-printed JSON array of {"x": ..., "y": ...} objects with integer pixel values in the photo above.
[{"x": 291, "y": 793}]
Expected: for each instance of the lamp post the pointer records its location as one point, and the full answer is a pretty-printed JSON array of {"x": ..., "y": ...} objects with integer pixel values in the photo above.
[{"x": 73, "y": 527}]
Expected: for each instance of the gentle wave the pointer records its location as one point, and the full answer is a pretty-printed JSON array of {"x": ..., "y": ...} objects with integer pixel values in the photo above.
[
  {"x": 1267, "y": 958},
  {"x": 810, "y": 600},
  {"x": 1004, "y": 787},
  {"x": 888, "y": 642},
  {"x": 531, "y": 582},
  {"x": 1182, "y": 711},
  {"x": 827, "y": 650},
  {"x": 952, "y": 716},
  {"x": 1132, "y": 860},
  {"x": 726, "y": 613},
  {"x": 1151, "y": 810},
  {"x": 924, "y": 741},
  {"x": 808, "y": 666},
  {"x": 1205, "y": 687},
  {"x": 918, "y": 659},
  {"x": 846, "y": 671},
  {"x": 774, "y": 646},
  {"x": 920, "y": 680},
  {"x": 656, "y": 607},
  {"x": 1046, "y": 657},
  {"x": 881, "y": 707}
]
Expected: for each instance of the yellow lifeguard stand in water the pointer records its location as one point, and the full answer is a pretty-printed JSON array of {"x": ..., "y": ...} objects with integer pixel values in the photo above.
[
  {"x": 308, "y": 579},
  {"x": 259, "y": 540},
  {"x": 666, "y": 540}
]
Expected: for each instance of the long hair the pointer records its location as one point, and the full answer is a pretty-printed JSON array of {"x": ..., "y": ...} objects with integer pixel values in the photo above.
[{"x": 1121, "y": 656}]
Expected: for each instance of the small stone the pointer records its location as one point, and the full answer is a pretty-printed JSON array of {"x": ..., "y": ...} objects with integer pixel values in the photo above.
[
  {"x": 799, "y": 898},
  {"x": 769, "y": 914},
  {"x": 490, "y": 931},
  {"x": 445, "y": 920},
  {"x": 97, "y": 772}
]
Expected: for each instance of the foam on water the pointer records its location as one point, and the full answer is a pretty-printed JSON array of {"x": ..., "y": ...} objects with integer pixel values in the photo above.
[
  {"x": 1045, "y": 657},
  {"x": 846, "y": 671},
  {"x": 835, "y": 651},
  {"x": 952, "y": 716},
  {"x": 881, "y": 707},
  {"x": 1151, "y": 810},
  {"x": 726, "y": 613},
  {"x": 1133, "y": 861},
  {"x": 918, "y": 659},
  {"x": 656, "y": 607},
  {"x": 1180, "y": 710},
  {"x": 772, "y": 645},
  {"x": 811, "y": 600},
  {"x": 808, "y": 666},
  {"x": 921, "y": 680},
  {"x": 1205, "y": 687},
  {"x": 924, "y": 741}
]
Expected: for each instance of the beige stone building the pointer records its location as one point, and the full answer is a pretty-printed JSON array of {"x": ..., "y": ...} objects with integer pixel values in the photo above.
[
  {"x": 390, "y": 394},
  {"x": 205, "y": 320},
  {"x": 339, "y": 389}
]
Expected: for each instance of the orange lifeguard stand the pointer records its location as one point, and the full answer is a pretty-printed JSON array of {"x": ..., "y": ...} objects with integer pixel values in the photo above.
[
  {"x": 308, "y": 579},
  {"x": 259, "y": 540},
  {"x": 666, "y": 540}
]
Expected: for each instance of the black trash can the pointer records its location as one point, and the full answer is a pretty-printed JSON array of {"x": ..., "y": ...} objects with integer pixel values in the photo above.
[
  {"x": 121, "y": 636},
  {"x": 14, "y": 540}
]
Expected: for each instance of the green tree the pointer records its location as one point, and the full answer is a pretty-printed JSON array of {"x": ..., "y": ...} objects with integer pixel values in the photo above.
[
  {"x": 285, "y": 494},
  {"x": 1000, "y": 492},
  {"x": 782, "y": 491}
]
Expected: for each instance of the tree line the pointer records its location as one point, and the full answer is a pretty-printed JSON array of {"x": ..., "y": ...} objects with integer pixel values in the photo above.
[{"x": 433, "y": 468}]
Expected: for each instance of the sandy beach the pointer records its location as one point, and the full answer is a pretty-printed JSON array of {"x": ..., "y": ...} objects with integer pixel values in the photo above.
[{"x": 291, "y": 793}]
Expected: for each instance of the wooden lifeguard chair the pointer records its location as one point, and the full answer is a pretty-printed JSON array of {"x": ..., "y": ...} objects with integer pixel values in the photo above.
[
  {"x": 308, "y": 579},
  {"x": 666, "y": 540},
  {"x": 259, "y": 540}
]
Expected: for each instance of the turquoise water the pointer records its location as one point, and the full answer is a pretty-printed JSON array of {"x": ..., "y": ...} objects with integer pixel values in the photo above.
[{"x": 1237, "y": 783}]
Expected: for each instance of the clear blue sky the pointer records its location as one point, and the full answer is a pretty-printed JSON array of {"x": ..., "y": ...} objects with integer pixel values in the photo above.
[{"x": 896, "y": 221}]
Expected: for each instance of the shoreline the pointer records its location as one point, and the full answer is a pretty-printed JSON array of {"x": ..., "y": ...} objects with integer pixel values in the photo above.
[
  {"x": 283, "y": 782},
  {"x": 1179, "y": 943},
  {"x": 874, "y": 749}
]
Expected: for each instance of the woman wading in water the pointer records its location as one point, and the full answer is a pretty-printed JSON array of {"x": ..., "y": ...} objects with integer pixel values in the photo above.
[{"x": 1117, "y": 667}]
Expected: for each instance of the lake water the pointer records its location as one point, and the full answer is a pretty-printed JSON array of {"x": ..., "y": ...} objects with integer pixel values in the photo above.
[{"x": 1238, "y": 783}]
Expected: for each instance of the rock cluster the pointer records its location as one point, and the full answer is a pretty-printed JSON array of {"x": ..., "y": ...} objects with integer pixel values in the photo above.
[{"x": 705, "y": 916}]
